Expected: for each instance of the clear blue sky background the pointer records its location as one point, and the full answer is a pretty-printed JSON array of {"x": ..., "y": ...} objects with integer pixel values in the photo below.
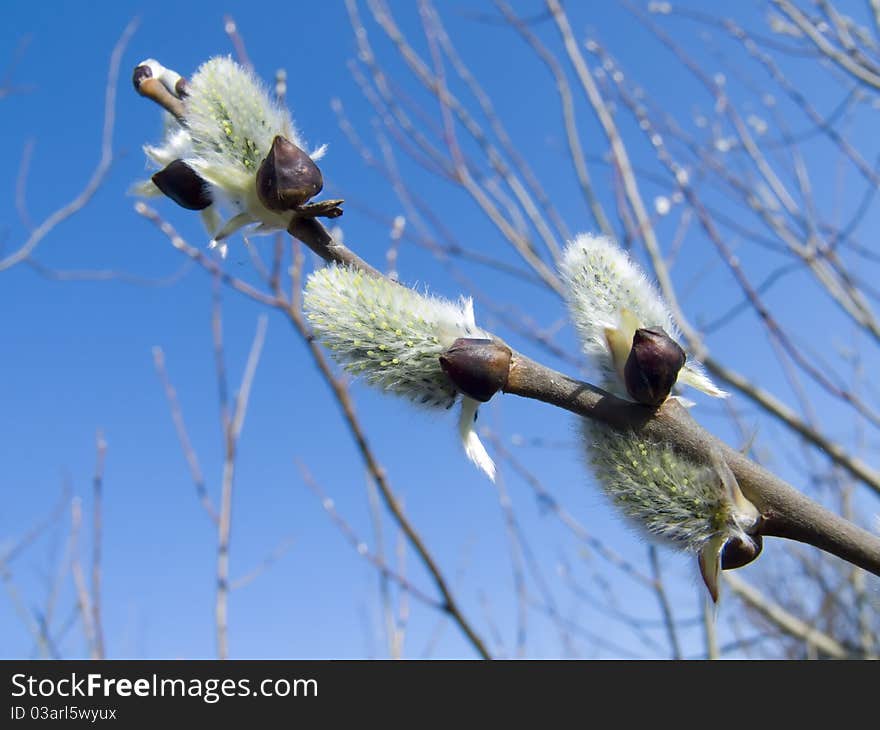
[{"x": 76, "y": 356}]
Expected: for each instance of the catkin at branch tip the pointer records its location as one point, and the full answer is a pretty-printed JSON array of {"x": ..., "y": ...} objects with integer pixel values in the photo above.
[{"x": 227, "y": 127}]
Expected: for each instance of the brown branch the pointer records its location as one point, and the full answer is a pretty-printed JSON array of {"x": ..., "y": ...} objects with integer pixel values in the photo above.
[
  {"x": 316, "y": 238},
  {"x": 854, "y": 465},
  {"x": 787, "y": 512},
  {"x": 377, "y": 471}
]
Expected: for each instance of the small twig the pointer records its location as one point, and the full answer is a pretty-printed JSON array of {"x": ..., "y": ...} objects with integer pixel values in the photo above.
[
  {"x": 83, "y": 600},
  {"x": 21, "y": 184},
  {"x": 100, "y": 172},
  {"x": 663, "y": 600},
  {"x": 200, "y": 257},
  {"x": 97, "y": 527},
  {"x": 384, "y": 588},
  {"x": 785, "y": 621},
  {"x": 231, "y": 29},
  {"x": 232, "y": 430},
  {"x": 106, "y": 274},
  {"x": 866, "y": 75},
  {"x": 279, "y": 551},
  {"x": 709, "y": 628},
  {"x": 360, "y": 546},
  {"x": 31, "y": 618},
  {"x": 189, "y": 453},
  {"x": 516, "y": 563}
]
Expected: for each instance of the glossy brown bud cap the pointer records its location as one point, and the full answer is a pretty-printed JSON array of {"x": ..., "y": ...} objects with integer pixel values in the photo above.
[
  {"x": 183, "y": 185},
  {"x": 652, "y": 366},
  {"x": 738, "y": 552},
  {"x": 288, "y": 177},
  {"x": 477, "y": 367},
  {"x": 141, "y": 74}
]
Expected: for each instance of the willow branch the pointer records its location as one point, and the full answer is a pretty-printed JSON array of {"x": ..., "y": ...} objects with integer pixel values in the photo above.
[{"x": 787, "y": 512}]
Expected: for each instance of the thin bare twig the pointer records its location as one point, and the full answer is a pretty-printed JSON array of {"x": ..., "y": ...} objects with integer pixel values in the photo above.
[
  {"x": 316, "y": 237},
  {"x": 663, "y": 600},
  {"x": 97, "y": 538},
  {"x": 83, "y": 599},
  {"x": 100, "y": 171},
  {"x": 232, "y": 431},
  {"x": 278, "y": 552},
  {"x": 189, "y": 453}
]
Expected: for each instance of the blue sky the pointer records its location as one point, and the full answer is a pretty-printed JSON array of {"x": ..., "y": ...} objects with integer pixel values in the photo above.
[{"x": 76, "y": 356}]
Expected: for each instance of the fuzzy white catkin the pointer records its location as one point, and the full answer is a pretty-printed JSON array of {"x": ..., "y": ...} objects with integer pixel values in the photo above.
[
  {"x": 602, "y": 282},
  {"x": 693, "y": 506},
  {"x": 230, "y": 122},
  {"x": 390, "y": 335},
  {"x": 231, "y": 116},
  {"x": 658, "y": 489},
  {"x": 393, "y": 337}
]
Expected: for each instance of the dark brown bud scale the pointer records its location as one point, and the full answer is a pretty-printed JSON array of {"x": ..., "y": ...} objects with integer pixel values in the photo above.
[
  {"x": 288, "y": 177},
  {"x": 181, "y": 88},
  {"x": 738, "y": 552},
  {"x": 652, "y": 366},
  {"x": 152, "y": 88},
  {"x": 183, "y": 185},
  {"x": 140, "y": 74},
  {"x": 478, "y": 367}
]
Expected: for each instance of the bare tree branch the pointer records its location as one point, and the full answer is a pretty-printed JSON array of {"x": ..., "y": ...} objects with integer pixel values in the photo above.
[{"x": 100, "y": 172}]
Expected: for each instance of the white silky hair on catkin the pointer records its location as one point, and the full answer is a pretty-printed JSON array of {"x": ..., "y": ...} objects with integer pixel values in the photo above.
[
  {"x": 231, "y": 115},
  {"x": 692, "y": 506},
  {"x": 602, "y": 282},
  {"x": 390, "y": 335},
  {"x": 601, "y": 279},
  {"x": 393, "y": 337},
  {"x": 659, "y": 490},
  {"x": 230, "y": 121}
]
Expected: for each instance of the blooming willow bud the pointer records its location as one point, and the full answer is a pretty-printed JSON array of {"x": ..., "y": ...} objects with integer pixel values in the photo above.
[
  {"x": 610, "y": 299},
  {"x": 224, "y": 128},
  {"x": 695, "y": 507},
  {"x": 393, "y": 337}
]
